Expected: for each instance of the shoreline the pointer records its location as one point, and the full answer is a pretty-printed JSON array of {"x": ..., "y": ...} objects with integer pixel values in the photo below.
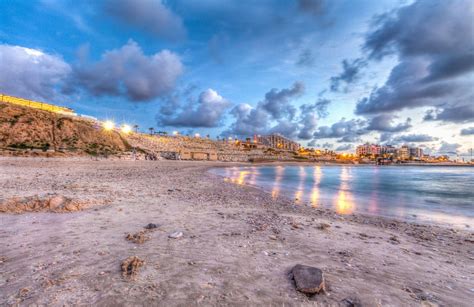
[
  {"x": 237, "y": 246},
  {"x": 306, "y": 202}
]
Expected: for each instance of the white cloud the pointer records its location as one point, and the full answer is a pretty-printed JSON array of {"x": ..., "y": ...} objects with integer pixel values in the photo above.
[{"x": 31, "y": 73}]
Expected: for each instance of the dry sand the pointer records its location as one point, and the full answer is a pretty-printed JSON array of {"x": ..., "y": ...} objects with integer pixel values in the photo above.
[{"x": 237, "y": 245}]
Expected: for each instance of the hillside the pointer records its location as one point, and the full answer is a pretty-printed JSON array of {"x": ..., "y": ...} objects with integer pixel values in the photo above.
[{"x": 23, "y": 128}]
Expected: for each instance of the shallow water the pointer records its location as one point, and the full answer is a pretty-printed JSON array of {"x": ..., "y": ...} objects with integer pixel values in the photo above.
[{"x": 435, "y": 194}]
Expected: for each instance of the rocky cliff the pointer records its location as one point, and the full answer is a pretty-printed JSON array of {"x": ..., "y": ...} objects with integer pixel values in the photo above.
[{"x": 24, "y": 129}]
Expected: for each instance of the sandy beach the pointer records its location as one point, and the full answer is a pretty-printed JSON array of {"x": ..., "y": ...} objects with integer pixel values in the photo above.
[{"x": 231, "y": 244}]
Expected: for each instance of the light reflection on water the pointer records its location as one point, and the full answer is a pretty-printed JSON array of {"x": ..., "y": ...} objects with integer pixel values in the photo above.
[{"x": 436, "y": 194}]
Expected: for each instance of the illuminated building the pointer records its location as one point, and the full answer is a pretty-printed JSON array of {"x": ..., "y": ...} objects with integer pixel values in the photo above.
[
  {"x": 277, "y": 141},
  {"x": 368, "y": 150}
]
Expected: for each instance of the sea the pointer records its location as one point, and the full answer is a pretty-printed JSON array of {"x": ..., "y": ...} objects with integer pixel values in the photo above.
[{"x": 425, "y": 194}]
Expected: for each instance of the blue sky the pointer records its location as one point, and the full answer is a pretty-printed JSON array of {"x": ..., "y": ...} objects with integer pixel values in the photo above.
[{"x": 330, "y": 74}]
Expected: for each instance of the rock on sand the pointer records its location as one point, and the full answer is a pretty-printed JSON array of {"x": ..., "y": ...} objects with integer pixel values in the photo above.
[{"x": 309, "y": 280}]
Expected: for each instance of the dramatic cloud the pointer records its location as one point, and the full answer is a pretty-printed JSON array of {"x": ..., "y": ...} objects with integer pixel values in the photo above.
[
  {"x": 347, "y": 130},
  {"x": 350, "y": 73},
  {"x": 248, "y": 120},
  {"x": 207, "y": 112},
  {"x": 384, "y": 123},
  {"x": 414, "y": 138},
  {"x": 31, "y": 73},
  {"x": 128, "y": 72},
  {"x": 309, "y": 115},
  {"x": 448, "y": 148},
  {"x": 275, "y": 114},
  {"x": 277, "y": 102},
  {"x": 467, "y": 131},
  {"x": 457, "y": 114},
  {"x": 430, "y": 62},
  {"x": 151, "y": 16}
]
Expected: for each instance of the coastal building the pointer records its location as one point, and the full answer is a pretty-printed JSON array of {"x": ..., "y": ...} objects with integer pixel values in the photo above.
[
  {"x": 368, "y": 150},
  {"x": 416, "y": 153},
  {"x": 388, "y": 150},
  {"x": 404, "y": 153},
  {"x": 277, "y": 141}
]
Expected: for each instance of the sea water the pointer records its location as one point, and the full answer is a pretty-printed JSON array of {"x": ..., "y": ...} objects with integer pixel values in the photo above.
[{"x": 434, "y": 194}]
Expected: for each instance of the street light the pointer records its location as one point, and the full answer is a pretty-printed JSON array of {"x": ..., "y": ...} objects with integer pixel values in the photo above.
[
  {"x": 197, "y": 135},
  {"x": 126, "y": 129},
  {"x": 108, "y": 125},
  {"x": 175, "y": 132}
]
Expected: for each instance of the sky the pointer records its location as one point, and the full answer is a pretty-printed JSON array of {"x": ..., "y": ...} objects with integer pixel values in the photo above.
[{"x": 328, "y": 73}]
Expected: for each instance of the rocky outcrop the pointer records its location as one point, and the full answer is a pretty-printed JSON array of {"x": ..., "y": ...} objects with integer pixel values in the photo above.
[{"x": 26, "y": 129}]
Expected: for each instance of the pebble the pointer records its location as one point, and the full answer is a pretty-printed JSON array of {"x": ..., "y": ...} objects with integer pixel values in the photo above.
[
  {"x": 175, "y": 235},
  {"x": 309, "y": 280},
  {"x": 151, "y": 226}
]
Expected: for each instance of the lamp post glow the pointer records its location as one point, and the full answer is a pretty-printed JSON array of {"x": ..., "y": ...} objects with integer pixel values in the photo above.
[
  {"x": 175, "y": 132},
  {"x": 108, "y": 125},
  {"x": 197, "y": 135},
  {"x": 126, "y": 129}
]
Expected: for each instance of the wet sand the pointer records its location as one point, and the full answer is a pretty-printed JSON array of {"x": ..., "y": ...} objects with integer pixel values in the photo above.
[{"x": 237, "y": 245}]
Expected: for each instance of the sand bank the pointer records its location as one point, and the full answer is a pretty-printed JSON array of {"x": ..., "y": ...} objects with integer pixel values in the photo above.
[{"x": 216, "y": 243}]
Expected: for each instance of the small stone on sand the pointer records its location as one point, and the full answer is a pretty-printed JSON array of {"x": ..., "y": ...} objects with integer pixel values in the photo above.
[
  {"x": 176, "y": 235},
  {"x": 151, "y": 226},
  {"x": 309, "y": 280}
]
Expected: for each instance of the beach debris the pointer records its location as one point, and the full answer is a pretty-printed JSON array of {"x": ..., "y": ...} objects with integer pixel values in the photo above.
[
  {"x": 175, "y": 235},
  {"x": 351, "y": 302},
  {"x": 295, "y": 225},
  {"x": 139, "y": 237},
  {"x": 394, "y": 240},
  {"x": 3, "y": 259},
  {"x": 48, "y": 203},
  {"x": 308, "y": 279},
  {"x": 323, "y": 226},
  {"x": 23, "y": 293},
  {"x": 151, "y": 226},
  {"x": 420, "y": 294},
  {"x": 131, "y": 266}
]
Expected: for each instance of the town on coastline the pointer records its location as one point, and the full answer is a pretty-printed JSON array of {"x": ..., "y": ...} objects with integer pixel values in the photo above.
[{"x": 28, "y": 130}]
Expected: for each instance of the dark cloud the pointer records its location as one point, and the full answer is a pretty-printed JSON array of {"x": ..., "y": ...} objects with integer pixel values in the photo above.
[
  {"x": 384, "y": 123},
  {"x": 31, "y": 73},
  {"x": 314, "y": 7},
  {"x": 346, "y": 130},
  {"x": 441, "y": 28},
  {"x": 248, "y": 120},
  {"x": 206, "y": 112},
  {"x": 350, "y": 73},
  {"x": 413, "y": 138},
  {"x": 306, "y": 58},
  {"x": 320, "y": 108},
  {"x": 432, "y": 59},
  {"x": 288, "y": 128},
  {"x": 448, "y": 148},
  {"x": 151, "y": 16},
  {"x": 128, "y": 72},
  {"x": 276, "y": 107},
  {"x": 467, "y": 131},
  {"x": 277, "y": 114},
  {"x": 345, "y": 147},
  {"x": 456, "y": 114},
  {"x": 277, "y": 102},
  {"x": 309, "y": 115}
]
